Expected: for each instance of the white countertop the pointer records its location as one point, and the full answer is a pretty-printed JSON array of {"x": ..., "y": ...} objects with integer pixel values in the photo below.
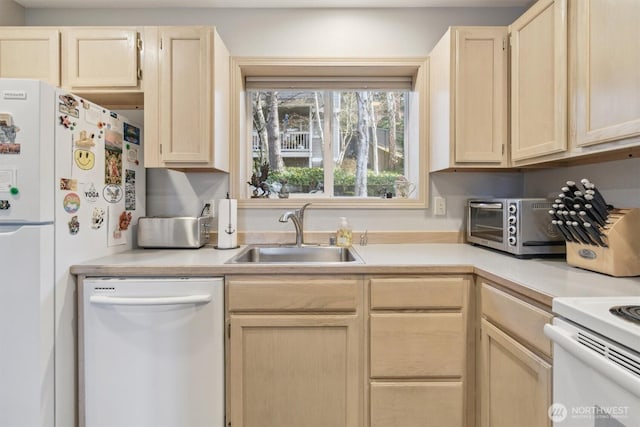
[{"x": 547, "y": 277}]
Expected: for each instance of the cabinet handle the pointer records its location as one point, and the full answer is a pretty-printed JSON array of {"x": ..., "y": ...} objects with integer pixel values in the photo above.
[{"x": 189, "y": 299}]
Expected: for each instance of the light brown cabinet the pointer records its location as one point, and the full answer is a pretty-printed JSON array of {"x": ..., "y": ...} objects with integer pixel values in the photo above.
[
  {"x": 418, "y": 352},
  {"x": 295, "y": 351},
  {"x": 30, "y": 53},
  {"x": 538, "y": 41},
  {"x": 575, "y": 87},
  {"x": 102, "y": 58},
  {"x": 468, "y": 99},
  {"x": 100, "y": 64},
  {"x": 515, "y": 361},
  {"x": 606, "y": 80},
  {"x": 186, "y": 99}
]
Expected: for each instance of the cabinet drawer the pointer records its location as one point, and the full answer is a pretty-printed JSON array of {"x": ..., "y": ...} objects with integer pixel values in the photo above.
[
  {"x": 416, "y": 404},
  {"x": 418, "y": 292},
  {"x": 417, "y": 345},
  {"x": 295, "y": 294},
  {"x": 517, "y": 317}
]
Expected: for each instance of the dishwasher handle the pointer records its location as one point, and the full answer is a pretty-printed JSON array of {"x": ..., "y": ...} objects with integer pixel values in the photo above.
[
  {"x": 188, "y": 299},
  {"x": 599, "y": 363}
]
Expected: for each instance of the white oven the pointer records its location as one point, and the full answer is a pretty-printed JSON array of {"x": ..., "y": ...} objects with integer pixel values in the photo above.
[{"x": 596, "y": 364}]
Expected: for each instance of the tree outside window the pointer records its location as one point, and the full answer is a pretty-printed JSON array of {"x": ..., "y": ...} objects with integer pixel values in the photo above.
[{"x": 330, "y": 143}]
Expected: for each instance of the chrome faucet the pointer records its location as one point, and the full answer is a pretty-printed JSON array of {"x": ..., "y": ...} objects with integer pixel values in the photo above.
[{"x": 297, "y": 217}]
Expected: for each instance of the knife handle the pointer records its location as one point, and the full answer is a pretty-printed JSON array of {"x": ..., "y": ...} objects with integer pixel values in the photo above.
[
  {"x": 584, "y": 237},
  {"x": 567, "y": 235},
  {"x": 593, "y": 233}
]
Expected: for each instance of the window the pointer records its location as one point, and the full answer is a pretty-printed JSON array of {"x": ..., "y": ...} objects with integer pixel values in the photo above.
[{"x": 339, "y": 138}]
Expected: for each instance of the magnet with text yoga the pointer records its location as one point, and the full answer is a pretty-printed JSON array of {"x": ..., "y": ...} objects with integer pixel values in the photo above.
[{"x": 90, "y": 193}]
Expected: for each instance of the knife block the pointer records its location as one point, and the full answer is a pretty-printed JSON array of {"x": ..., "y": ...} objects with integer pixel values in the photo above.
[{"x": 622, "y": 257}]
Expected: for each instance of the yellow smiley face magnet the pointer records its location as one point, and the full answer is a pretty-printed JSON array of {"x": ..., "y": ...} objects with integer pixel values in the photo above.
[{"x": 85, "y": 159}]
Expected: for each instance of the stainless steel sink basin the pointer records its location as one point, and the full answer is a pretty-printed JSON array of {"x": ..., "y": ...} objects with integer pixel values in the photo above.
[{"x": 295, "y": 254}]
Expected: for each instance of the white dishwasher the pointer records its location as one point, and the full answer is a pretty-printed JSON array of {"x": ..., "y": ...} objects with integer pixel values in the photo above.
[{"x": 152, "y": 352}]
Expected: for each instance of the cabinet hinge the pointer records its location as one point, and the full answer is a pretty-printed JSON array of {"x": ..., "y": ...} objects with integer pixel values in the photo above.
[
  {"x": 160, "y": 44},
  {"x": 139, "y": 73},
  {"x": 229, "y": 330},
  {"x": 160, "y": 148},
  {"x": 139, "y": 43},
  {"x": 502, "y": 149},
  {"x": 504, "y": 44}
]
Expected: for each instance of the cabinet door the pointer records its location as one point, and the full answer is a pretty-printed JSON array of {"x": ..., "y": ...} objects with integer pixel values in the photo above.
[
  {"x": 100, "y": 58},
  {"x": 515, "y": 383},
  {"x": 480, "y": 94},
  {"x": 539, "y": 81},
  {"x": 607, "y": 77},
  {"x": 185, "y": 94},
  {"x": 292, "y": 371},
  {"x": 30, "y": 53}
]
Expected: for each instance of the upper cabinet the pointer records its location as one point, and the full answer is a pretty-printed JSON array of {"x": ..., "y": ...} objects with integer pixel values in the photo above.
[
  {"x": 538, "y": 42},
  {"x": 468, "y": 99},
  {"x": 606, "y": 83},
  {"x": 101, "y": 64},
  {"x": 101, "y": 58},
  {"x": 30, "y": 53},
  {"x": 186, "y": 99}
]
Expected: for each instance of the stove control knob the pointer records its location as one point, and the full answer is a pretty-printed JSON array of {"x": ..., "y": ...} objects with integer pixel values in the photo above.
[
  {"x": 513, "y": 209},
  {"x": 512, "y": 229},
  {"x": 511, "y": 219},
  {"x": 512, "y": 240}
]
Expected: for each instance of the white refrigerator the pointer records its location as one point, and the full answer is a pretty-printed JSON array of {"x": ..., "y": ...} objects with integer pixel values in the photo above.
[{"x": 72, "y": 185}]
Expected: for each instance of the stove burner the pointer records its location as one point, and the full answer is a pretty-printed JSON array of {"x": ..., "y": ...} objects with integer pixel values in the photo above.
[{"x": 627, "y": 312}]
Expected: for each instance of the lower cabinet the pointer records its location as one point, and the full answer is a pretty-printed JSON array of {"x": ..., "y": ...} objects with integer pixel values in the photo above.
[
  {"x": 420, "y": 366},
  {"x": 295, "y": 352},
  {"x": 515, "y": 361},
  {"x": 382, "y": 351}
]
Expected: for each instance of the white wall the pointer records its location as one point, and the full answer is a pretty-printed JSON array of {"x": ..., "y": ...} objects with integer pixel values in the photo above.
[
  {"x": 311, "y": 32},
  {"x": 618, "y": 181},
  {"x": 11, "y": 13}
]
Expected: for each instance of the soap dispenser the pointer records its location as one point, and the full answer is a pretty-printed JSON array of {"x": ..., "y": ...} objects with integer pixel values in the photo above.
[{"x": 344, "y": 233}]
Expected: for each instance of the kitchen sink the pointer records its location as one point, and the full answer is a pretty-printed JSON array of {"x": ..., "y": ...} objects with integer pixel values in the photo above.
[{"x": 258, "y": 254}]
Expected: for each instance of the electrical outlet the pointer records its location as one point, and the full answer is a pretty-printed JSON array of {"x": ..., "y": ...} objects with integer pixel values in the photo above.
[{"x": 439, "y": 206}]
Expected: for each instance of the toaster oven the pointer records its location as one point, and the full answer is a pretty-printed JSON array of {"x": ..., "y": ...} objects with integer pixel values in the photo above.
[{"x": 521, "y": 227}]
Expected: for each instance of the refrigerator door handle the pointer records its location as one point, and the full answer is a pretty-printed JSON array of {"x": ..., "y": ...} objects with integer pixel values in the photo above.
[{"x": 189, "y": 299}]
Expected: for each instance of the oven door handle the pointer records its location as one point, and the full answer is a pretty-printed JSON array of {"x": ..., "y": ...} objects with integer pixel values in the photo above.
[
  {"x": 485, "y": 205},
  {"x": 607, "y": 368}
]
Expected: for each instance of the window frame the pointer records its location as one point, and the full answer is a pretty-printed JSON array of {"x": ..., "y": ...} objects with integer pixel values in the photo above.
[{"x": 242, "y": 67}]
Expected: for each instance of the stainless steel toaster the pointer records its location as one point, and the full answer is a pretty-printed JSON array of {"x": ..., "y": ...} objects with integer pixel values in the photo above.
[{"x": 173, "y": 232}]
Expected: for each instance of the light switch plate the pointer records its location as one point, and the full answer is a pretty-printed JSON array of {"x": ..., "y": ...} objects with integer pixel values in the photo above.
[{"x": 439, "y": 206}]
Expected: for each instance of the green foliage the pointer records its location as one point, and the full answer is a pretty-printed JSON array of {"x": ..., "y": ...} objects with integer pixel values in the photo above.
[{"x": 303, "y": 180}]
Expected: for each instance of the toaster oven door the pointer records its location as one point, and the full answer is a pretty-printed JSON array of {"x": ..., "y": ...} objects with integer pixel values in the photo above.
[{"x": 486, "y": 222}]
